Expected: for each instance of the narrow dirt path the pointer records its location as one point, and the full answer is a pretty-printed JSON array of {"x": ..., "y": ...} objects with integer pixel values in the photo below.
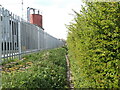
[{"x": 69, "y": 73}]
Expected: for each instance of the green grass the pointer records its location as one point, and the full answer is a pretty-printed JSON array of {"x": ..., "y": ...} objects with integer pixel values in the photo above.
[{"x": 46, "y": 69}]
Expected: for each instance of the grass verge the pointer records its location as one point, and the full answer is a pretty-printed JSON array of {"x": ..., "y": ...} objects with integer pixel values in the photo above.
[{"x": 46, "y": 69}]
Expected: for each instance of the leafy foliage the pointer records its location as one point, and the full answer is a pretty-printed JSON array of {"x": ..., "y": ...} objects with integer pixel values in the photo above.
[
  {"x": 46, "y": 69},
  {"x": 94, "y": 45}
]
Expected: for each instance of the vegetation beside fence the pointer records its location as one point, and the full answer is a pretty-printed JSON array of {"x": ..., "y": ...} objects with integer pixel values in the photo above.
[
  {"x": 94, "y": 45},
  {"x": 46, "y": 69}
]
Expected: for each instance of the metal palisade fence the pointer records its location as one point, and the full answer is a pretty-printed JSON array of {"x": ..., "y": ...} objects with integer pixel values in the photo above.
[{"x": 18, "y": 37}]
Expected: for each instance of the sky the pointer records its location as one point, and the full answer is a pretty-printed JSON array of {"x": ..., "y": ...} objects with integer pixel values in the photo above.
[{"x": 56, "y": 13}]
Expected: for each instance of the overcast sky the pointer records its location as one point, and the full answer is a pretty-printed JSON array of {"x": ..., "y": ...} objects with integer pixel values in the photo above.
[{"x": 56, "y": 13}]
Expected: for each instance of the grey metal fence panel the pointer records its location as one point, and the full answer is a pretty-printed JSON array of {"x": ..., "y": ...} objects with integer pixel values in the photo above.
[
  {"x": 18, "y": 37},
  {"x": 0, "y": 47},
  {"x": 0, "y": 35}
]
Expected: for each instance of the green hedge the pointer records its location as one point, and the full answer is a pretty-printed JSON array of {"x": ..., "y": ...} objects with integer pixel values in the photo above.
[{"x": 94, "y": 45}]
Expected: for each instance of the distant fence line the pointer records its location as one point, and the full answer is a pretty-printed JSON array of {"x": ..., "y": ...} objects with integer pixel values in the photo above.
[{"x": 19, "y": 37}]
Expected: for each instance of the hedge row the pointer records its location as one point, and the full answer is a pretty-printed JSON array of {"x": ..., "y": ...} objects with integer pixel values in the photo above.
[{"x": 94, "y": 45}]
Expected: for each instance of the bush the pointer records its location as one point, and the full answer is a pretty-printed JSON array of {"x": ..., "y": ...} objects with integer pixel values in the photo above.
[{"x": 93, "y": 45}]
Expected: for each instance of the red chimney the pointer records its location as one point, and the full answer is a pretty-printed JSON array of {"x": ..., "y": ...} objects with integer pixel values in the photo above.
[{"x": 36, "y": 19}]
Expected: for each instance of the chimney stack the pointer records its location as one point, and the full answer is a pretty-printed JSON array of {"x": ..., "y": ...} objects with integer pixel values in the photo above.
[{"x": 35, "y": 17}]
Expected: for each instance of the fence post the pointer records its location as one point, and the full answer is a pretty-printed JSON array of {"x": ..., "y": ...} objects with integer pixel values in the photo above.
[
  {"x": 38, "y": 38},
  {"x": 0, "y": 36},
  {"x": 0, "y": 48},
  {"x": 19, "y": 38}
]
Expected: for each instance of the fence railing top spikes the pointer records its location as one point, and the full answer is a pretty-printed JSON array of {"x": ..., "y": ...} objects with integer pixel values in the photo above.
[{"x": 20, "y": 37}]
